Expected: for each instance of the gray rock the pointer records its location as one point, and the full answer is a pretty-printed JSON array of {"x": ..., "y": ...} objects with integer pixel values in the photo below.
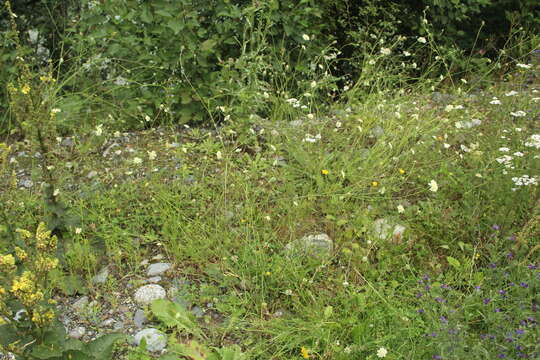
[
  {"x": 108, "y": 322},
  {"x": 148, "y": 293},
  {"x": 80, "y": 304},
  {"x": 153, "y": 280},
  {"x": 27, "y": 183},
  {"x": 139, "y": 319},
  {"x": 315, "y": 245},
  {"x": 157, "y": 269},
  {"x": 197, "y": 311},
  {"x": 155, "y": 339},
  {"x": 77, "y": 333},
  {"x": 102, "y": 276},
  {"x": 67, "y": 142}
]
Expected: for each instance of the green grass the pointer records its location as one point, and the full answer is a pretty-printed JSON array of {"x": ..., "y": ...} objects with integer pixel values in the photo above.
[{"x": 222, "y": 207}]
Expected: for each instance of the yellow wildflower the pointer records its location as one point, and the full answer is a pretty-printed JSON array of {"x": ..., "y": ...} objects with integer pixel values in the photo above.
[
  {"x": 401, "y": 171},
  {"x": 7, "y": 260},
  {"x": 304, "y": 352},
  {"x": 25, "y": 89},
  {"x": 21, "y": 254},
  {"x": 24, "y": 233},
  {"x": 325, "y": 172},
  {"x": 374, "y": 183},
  {"x": 268, "y": 273}
]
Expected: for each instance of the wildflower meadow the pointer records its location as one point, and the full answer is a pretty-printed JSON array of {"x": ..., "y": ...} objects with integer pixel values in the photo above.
[{"x": 234, "y": 180}]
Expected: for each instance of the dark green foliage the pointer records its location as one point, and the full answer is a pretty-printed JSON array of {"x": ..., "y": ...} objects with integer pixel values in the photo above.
[{"x": 176, "y": 61}]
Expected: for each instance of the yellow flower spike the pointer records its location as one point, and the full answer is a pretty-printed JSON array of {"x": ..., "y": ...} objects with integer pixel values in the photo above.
[
  {"x": 401, "y": 171},
  {"x": 7, "y": 260},
  {"x": 20, "y": 253},
  {"x": 304, "y": 352},
  {"x": 325, "y": 172},
  {"x": 268, "y": 273},
  {"x": 374, "y": 183},
  {"x": 24, "y": 233}
]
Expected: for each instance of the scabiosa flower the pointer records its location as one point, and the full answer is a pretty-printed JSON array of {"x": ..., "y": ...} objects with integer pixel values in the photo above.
[
  {"x": 524, "y": 284},
  {"x": 486, "y": 301},
  {"x": 532, "y": 267},
  {"x": 443, "y": 319},
  {"x": 493, "y": 265}
]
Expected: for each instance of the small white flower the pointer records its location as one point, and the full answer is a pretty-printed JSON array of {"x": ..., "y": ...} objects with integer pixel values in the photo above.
[
  {"x": 518, "y": 113},
  {"x": 534, "y": 141},
  {"x": 78, "y": 230},
  {"x": 504, "y": 149},
  {"x": 55, "y": 111},
  {"x": 137, "y": 160},
  {"x": 495, "y": 101},
  {"x": 99, "y": 130},
  {"x": 433, "y": 186},
  {"x": 219, "y": 156},
  {"x": 56, "y": 192},
  {"x": 524, "y": 66},
  {"x": 386, "y": 51},
  {"x": 152, "y": 155},
  {"x": 406, "y": 53},
  {"x": 313, "y": 84},
  {"x": 400, "y": 209},
  {"x": 422, "y": 40},
  {"x": 382, "y": 352},
  {"x": 511, "y": 93},
  {"x": 305, "y": 37}
]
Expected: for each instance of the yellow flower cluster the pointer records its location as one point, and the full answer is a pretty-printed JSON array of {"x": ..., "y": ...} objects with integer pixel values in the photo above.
[
  {"x": 47, "y": 78},
  {"x": 44, "y": 239},
  {"x": 7, "y": 262},
  {"x": 25, "y": 89},
  {"x": 20, "y": 253},
  {"x": 25, "y": 289},
  {"x": 42, "y": 317},
  {"x": 45, "y": 263}
]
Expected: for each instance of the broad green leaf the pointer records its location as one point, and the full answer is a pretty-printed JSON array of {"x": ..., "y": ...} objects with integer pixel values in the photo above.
[
  {"x": 453, "y": 262},
  {"x": 172, "y": 314},
  {"x": 176, "y": 25},
  {"x": 207, "y": 45},
  {"x": 192, "y": 350},
  {"x": 102, "y": 347},
  {"x": 230, "y": 353}
]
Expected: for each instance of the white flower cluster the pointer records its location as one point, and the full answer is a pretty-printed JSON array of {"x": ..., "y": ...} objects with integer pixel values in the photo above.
[
  {"x": 506, "y": 160},
  {"x": 295, "y": 103},
  {"x": 525, "y": 180},
  {"x": 312, "y": 139},
  {"x": 534, "y": 141}
]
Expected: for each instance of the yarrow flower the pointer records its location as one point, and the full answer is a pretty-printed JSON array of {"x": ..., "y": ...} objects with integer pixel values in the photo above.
[
  {"x": 422, "y": 40},
  {"x": 433, "y": 186},
  {"x": 534, "y": 141},
  {"x": 382, "y": 352},
  {"x": 518, "y": 113},
  {"x": 386, "y": 51}
]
